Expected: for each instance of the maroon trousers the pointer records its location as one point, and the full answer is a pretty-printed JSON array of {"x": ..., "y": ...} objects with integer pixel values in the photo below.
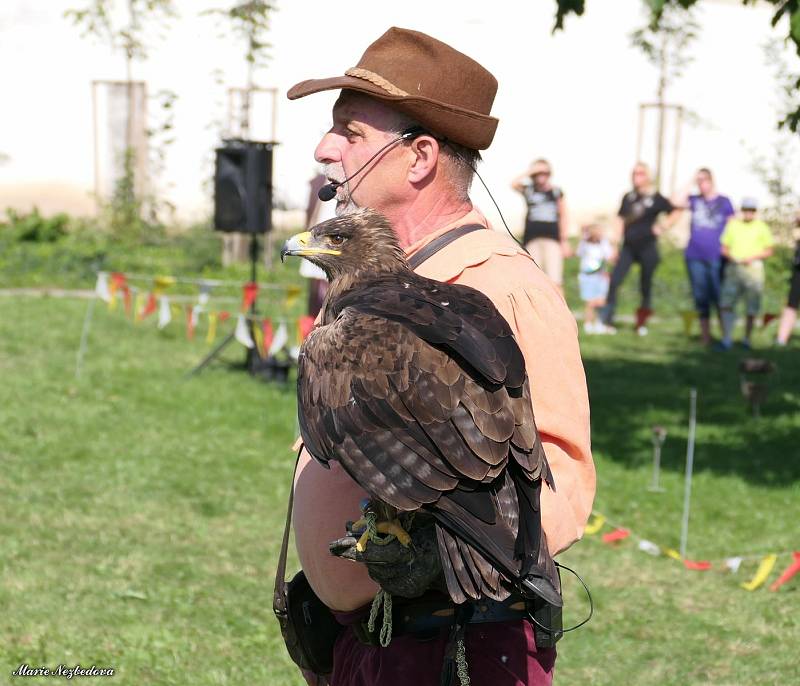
[{"x": 498, "y": 653}]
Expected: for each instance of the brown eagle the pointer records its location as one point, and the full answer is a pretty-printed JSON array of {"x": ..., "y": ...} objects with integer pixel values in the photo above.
[{"x": 419, "y": 390}]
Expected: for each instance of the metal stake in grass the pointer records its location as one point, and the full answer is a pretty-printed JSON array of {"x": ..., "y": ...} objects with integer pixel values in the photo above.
[
  {"x": 687, "y": 490},
  {"x": 659, "y": 436}
]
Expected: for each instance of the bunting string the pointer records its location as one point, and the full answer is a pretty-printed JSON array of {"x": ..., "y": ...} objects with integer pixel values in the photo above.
[{"x": 617, "y": 533}]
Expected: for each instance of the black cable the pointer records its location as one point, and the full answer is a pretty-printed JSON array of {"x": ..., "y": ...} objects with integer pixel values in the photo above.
[{"x": 580, "y": 624}]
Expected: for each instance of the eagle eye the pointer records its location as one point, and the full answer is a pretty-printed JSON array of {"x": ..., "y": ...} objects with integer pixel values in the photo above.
[{"x": 336, "y": 239}]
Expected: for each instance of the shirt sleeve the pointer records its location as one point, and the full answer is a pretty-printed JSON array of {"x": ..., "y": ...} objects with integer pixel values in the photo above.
[
  {"x": 623, "y": 207},
  {"x": 547, "y": 335},
  {"x": 664, "y": 204},
  {"x": 727, "y": 207},
  {"x": 767, "y": 239},
  {"x": 725, "y": 238}
]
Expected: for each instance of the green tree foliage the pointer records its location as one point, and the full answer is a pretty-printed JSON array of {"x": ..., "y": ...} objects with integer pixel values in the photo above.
[{"x": 784, "y": 9}]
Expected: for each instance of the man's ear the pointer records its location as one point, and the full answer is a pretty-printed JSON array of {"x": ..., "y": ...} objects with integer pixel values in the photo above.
[{"x": 426, "y": 156}]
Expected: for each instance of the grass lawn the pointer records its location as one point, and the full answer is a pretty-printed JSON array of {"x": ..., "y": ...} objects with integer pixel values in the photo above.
[{"x": 141, "y": 512}]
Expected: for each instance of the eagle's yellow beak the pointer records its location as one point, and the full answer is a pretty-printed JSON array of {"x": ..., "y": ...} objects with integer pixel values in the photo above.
[{"x": 302, "y": 245}]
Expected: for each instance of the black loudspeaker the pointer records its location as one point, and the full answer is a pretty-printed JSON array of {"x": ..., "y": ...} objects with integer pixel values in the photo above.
[{"x": 243, "y": 187}]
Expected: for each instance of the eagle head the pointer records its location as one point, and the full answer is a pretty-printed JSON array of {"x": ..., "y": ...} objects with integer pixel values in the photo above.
[{"x": 357, "y": 243}]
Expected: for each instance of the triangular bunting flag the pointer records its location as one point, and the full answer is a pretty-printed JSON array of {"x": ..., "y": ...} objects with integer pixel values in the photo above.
[
  {"x": 733, "y": 564},
  {"x": 763, "y": 571},
  {"x": 595, "y": 525},
  {"x": 138, "y": 307},
  {"x": 280, "y": 340},
  {"x": 787, "y": 573},
  {"x": 649, "y": 547},
  {"x": 212, "y": 327},
  {"x": 266, "y": 329},
  {"x": 164, "y": 312},
  {"x": 249, "y": 294},
  {"x": 258, "y": 334},
  {"x": 304, "y": 326},
  {"x": 101, "y": 288},
  {"x": 616, "y": 535},
  {"x": 699, "y": 565},
  {"x": 149, "y": 306},
  {"x": 671, "y": 552},
  {"x": 242, "y": 332}
]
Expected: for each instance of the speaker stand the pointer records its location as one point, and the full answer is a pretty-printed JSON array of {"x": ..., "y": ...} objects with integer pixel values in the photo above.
[{"x": 251, "y": 352}]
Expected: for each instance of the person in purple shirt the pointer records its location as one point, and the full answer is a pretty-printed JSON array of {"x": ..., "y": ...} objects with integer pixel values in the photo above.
[{"x": 710, "y": 212}]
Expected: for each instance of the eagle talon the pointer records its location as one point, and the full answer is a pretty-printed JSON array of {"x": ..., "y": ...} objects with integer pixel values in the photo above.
[{"x": 396, "y": 530}]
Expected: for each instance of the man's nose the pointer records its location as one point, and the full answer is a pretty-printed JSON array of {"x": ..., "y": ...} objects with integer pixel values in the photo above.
[{"x": 327, "y": 151}]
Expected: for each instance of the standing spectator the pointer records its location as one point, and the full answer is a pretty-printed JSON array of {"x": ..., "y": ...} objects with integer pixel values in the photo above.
[
  {"x": 594, "y": 251},
  {"x": 746, "y": 242},
  {"x": 546, "y": 222},
  {"x": 638, "y": 232},
  {"x": 789, "y": 315},
  {"x": 710, "y": 212}
]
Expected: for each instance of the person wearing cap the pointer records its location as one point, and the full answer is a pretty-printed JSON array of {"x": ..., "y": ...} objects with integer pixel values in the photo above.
[
  {"x": 746, "y": 242},
  {"x": 545, "y": 236},
  {"x": 419, "y": 178}
]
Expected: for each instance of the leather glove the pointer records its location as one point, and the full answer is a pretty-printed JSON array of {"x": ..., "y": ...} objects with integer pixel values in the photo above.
[{"x": 402, "y": 571}]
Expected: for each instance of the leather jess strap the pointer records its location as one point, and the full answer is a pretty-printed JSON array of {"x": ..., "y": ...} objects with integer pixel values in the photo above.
[{"x": 425, "y": 253}]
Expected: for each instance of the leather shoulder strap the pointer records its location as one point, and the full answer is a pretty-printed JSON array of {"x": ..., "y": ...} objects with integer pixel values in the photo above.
[
  {"x": 278, "y": 597},
  {"x": 437, "y": 244}
]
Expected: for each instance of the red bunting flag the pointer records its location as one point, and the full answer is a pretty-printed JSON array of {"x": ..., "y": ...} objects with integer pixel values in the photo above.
[
  {"x": 120, "y": 283},
  {"x": 699, "y": 565},
  {"x": 189, "y": 322},
  {"x": 787, "y": 574},
  {"x": 266, "y": 328},
  {"x": 616, "y": 535},
  {"x": 149, "y": 307},
  {"x": 223, "y": 316},
  {"x": 305, "y": 324},
  {"x": 249, "y": 293}
]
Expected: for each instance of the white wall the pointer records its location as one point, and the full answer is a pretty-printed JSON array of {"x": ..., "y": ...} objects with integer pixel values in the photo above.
[{"x": 571, "y": 97}]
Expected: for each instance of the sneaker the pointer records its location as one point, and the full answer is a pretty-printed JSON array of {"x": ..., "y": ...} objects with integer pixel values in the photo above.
[
  {"x": 608, "y": 329},
  {"x": 641, "y": 331},
  {"x": 722, "y": 346},
  {"x": 590, "y": 327}
]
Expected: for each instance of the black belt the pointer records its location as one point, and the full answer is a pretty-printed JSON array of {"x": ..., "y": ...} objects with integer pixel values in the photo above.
[{"x": 425, "y": 617}]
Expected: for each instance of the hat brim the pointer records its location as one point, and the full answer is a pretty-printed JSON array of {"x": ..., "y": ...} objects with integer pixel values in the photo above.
[{"x": 465, "y": 127}]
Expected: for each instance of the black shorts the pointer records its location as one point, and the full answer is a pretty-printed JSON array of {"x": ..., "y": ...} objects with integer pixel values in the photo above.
[{"x": 794, "y": 289}]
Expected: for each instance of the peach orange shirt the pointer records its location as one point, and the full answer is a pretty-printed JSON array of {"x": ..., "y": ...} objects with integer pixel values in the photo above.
[{"x": 547, "y": 334}]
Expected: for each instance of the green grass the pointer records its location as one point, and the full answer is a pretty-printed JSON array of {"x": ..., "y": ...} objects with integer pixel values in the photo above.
[{"x": 141, "y": 512}]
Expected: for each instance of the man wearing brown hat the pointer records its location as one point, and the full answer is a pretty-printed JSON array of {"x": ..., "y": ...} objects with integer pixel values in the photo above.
[{"x": 407, "y": 127}]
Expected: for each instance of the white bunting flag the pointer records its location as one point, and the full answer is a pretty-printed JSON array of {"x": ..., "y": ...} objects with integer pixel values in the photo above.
[
  {"x": 242, "y": 332},
  {"x": 164, "y": 312},
  {"x": 101, "y": 287},
  {"x": 733, "y": 564},
  {"x": 280, "y": 339},
  {"x": 649, "y": 547}
]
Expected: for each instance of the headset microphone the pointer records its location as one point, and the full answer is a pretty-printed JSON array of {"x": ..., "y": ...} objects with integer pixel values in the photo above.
[{"x": 328, "y": 191}]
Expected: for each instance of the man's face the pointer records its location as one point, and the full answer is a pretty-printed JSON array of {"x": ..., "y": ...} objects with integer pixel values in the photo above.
[
  {"x": 361, "y": 128},
  {"x": 748, "y": 215},
  {"x": 704, "y": 184}
]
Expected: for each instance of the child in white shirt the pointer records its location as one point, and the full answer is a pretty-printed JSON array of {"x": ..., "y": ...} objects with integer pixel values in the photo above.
[{"x": 594, "y": 252}]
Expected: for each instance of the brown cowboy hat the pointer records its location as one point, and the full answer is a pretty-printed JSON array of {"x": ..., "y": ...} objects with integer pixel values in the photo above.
[{"x": 422, "y": 77}]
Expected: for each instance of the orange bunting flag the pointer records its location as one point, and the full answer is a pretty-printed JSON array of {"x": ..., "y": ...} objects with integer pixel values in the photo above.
[
  {"x": 190, "y": 322},
  {"x": 768, "y": 317},
  {"x": 266, "y": 331},
  {"x": 249, "y": 293},
  {"x": 616, "y": 535},
  {"x": 305, "y": 324},
  {"x": 787, "y": 573},
  {"x": 700, "y": 566},
  {"x": 120, "y": 283},
  {"x": 149, "y": 307}
]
